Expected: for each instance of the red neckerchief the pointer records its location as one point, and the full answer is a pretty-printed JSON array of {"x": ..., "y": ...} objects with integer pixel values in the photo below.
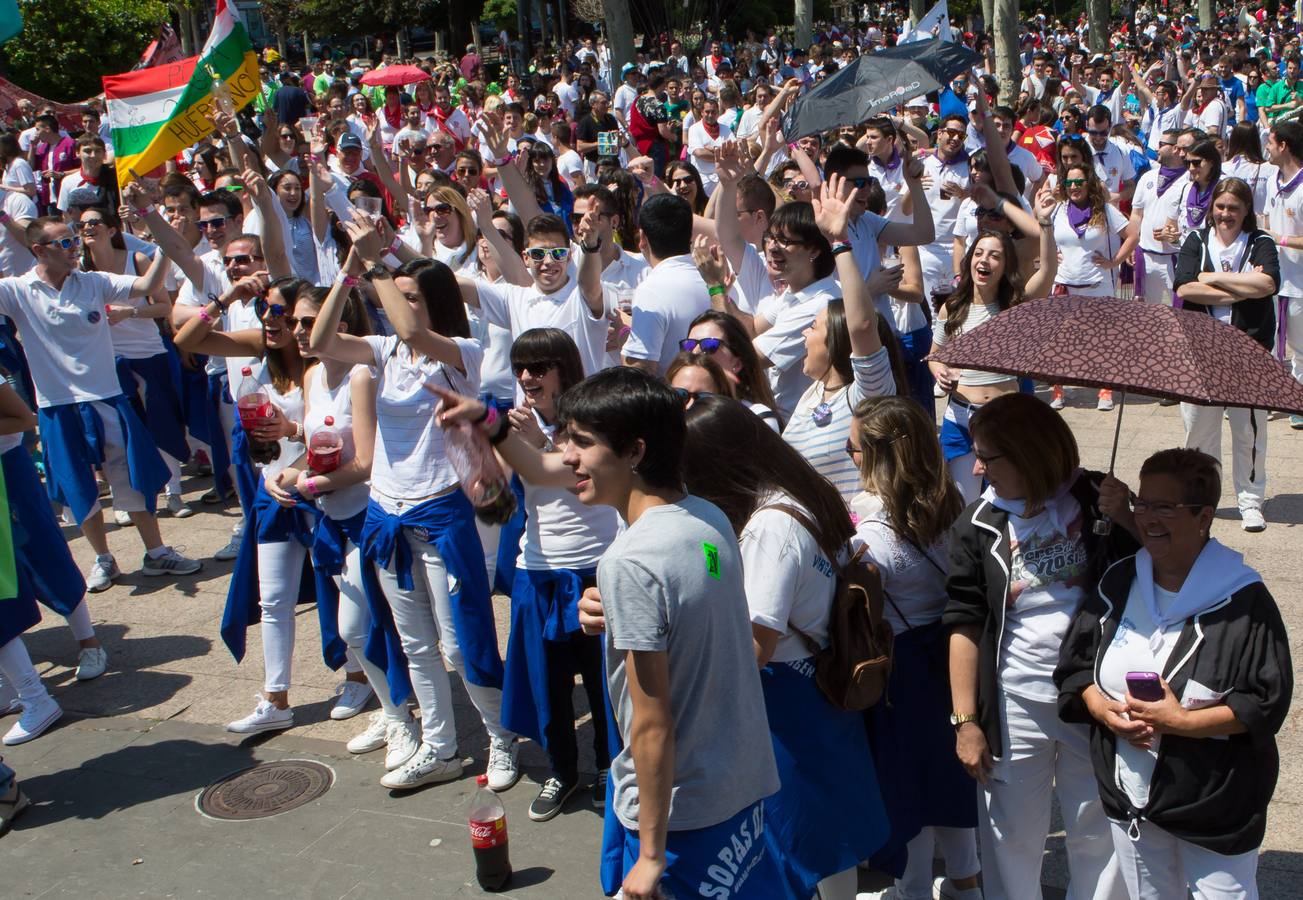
[
  {"x": 715, "y": 61},
  {"x": 441, "y": 119},
  {"x": 395, "y": 119},
  {"x": 712, "y": 130},
  {"x": 86, "y": 179}
]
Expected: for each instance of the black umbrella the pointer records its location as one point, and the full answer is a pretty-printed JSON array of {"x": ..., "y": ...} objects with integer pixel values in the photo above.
[{"x": 876, "y": 82}]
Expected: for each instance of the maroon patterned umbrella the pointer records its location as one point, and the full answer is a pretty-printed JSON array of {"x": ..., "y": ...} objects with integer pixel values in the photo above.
[{"x": 1127, "y": 345}]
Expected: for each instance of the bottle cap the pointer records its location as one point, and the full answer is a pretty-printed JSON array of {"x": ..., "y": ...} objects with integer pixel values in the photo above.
[
  {"x": 330, "y": 420},
  {"x": 246, "y": 371},
  {"x": 482, "y": 780}
]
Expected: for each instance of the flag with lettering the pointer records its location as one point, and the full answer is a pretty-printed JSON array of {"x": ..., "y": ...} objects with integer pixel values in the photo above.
[{"x": 156, "y": 113}]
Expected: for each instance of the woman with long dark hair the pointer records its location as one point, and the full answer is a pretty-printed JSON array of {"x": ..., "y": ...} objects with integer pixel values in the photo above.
[
  {"x": 792, "y": 530},
  {"x": 695, "y": 373},
  {"x": 684, "y": 180},
  {"x": 1244, "y": 160},
  {"x": 903, "y": 516},
  {"x": 18, "y": 176},
  {"x": 550, "y": 190},
  {"x": 301, "y": 243},
  {"x": 722, "y": 336},
  {"x": 1203, "y": 168}
]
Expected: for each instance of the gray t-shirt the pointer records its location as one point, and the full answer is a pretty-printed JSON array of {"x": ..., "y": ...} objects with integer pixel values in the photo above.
[{"x": 672, "y": 582}]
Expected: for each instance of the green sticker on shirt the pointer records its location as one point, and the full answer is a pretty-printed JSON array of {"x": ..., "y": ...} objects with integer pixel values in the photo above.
[{"x": 711, "y": 552}]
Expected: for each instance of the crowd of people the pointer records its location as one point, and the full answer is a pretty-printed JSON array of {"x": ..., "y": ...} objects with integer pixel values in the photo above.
[{"x": 700, "y": 347}]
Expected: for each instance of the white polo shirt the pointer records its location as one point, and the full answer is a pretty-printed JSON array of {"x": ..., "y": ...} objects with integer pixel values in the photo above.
[
  {"x": 1156, "y": 210},
  {"x": 664, "y": 305},
  {"x": 783, "y": 344},
  {"x": 1113, "y": 166},
  {"x": 1285, "y": 217}
]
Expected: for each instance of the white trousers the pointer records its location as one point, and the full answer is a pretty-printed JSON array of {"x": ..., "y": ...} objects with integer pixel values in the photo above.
[
  {"x": 1160, "y": 866},
  {"x": 355, "y": 625},
  {"x": 116, "y": 473},
  {"x": 80, "y": 623},
  {"x": 1043, "y": 755},
  {"x": 280, "y": 568},
  {"x": 423, "y": 617},
  {"x": 1203, "y": 431},
  {"x": 1159, "y": 277},
  {"x": 1294, "y": 335},
  {"x": 958, "y": 848},
  {"x": 17, "y": 669}
]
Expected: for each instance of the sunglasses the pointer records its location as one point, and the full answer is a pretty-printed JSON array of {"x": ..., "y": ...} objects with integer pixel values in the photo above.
[
  {"x": 306, "y": 321},
  {"x": 88, "y": 224},
  {"x": 705, "y": 345},
  {"x": 440, "y": 209},
  {"x": 211, "y": 224},
  {"x": 1097, "y": 133},
  {"x": 267, "y": 310},
  {"x": 538, "y": 369},
  {"x": 991, "y": 213},
  {"x": 558, "y": 254},
  {"x": 288, "y": 135},
  {"x": 683, "y": 179},
  {"x": 468, "y": 172},
  {"x": 851, "y": 450},
  {"x": 1073, "y": 182},
  {"x": 239, "y": 259},
  {"x": 860, "y": 183},
  {"x": 1194, "y": 162},
  {"x": 799, "y": 184},
  {"x": 688, "y": 396},
  {"x": 62, "y": 243}
]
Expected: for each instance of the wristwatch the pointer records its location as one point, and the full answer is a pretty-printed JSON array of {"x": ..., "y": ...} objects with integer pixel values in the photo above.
[
  {"x": 956, "y": 719},
  {"x": 379, "y": 270}
]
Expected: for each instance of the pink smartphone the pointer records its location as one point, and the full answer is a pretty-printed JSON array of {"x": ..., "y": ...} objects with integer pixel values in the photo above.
[{"x": 1145, "y": 686}]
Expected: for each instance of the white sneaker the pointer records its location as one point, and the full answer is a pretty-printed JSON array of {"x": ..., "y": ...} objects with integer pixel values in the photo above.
[
  {"x": 91, "y": 663},
  {"x": 403, "y": 740},
  {"x": 353, "y": 698},
  {"x": 177, "y": 506},
  {"x": 424, "y": 767},
  {"x": 230, "y": 551},
  {"x": 122, "y": 518},
  {"x": 887, "y": 893},
  {"x": 502, "y": 770},
  {"x": 372, "y": 737},
  {"x": 944, "y": 889},
  {"x": 1252, "y": 520},
  {"x": 265, "y": 717},
  {"x": 170, "y": 563},
  {"x": 103, "y": 572},
  {"x": 34, "y": 721}
]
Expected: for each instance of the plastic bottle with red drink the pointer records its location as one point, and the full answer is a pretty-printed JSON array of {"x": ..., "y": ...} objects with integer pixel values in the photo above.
[
  {"x": 325, "y": 447},
  {"x": 255, "y": 407},
  {"x": 488, "y": 823},
  {"x": 482, "y": 478}
]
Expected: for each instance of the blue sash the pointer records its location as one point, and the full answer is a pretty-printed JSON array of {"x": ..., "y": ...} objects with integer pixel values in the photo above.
[
  {"x": 14, "y": 360},
  {"x": 40, "y": 549},
  {"x": 828, "y": 813},
  {"x": 269, "y": 523},
  {"x": 201, "y": 396},
  {"x": 72, "y": 439},
  {"x": 611, "y": 858},
  {"x": 448, "y": 523},
  {"x": 544, "y": 607},
  {"x": 247, "y": 481},
  {"x": 160, "y": 407},
  {"x": 17, "y": 614},
  {"x": 504, "y": 575},
  {"x": 383, "y": 646}
]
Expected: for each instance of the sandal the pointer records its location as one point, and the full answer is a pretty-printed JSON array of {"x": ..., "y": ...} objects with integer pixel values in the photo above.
[{"x": 11, "y": 809}]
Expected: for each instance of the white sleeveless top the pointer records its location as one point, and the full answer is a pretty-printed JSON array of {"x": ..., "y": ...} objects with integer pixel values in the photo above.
[
  {"x": 978, "y": 313},
  {"x": 291, "y": 407},
  {"x": 136, "y": 338},
  {"x": 336, "y": 402}
]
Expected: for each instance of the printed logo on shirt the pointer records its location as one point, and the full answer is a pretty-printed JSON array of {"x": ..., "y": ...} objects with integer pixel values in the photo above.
[
  {"x": 93, "y": 316},
  {"x": 1043, "y": 560},
  {"x": 711, "y": 552},
  {"x": 727, "y": 877}
]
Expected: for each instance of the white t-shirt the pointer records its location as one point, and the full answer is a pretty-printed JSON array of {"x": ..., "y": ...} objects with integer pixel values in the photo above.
[
  {"x": 1212, "y": 118},
  {"x": 1161, "y": 121},
  {"x": 698, "y": 139},
  {"x": 522, "y": 308},
  {"x": 1258, "y": 176},
  {"x": 66, "y": 333},
  {"x": 787, "y": 578},
  {"x": 1285, "y": 217},
  {"x": 570, "y": 165},
  {"x": 1231, "y": 258},
  {"x": 664, "y": 305},
  {"x": 624, "y": 98},
  {"x": 893, "y": 186},
  {"x": 1078, "y": 267},
  {"x": 15, "y": 256},
  {"x": 1156, "y": 210},
  {"x": 916, "y": 586},
  {"x": 19, "y": 172},
  {"x": 409, "y": 462},
  {"x": 136, "y": 338},
  {"x": 944, "y": 210},
  {"x": 1113, "y": 166},
  {"x": 783, "y": 344},
  {"x": 567, "y": 96},
  {"x": 1047, "y": 574}
]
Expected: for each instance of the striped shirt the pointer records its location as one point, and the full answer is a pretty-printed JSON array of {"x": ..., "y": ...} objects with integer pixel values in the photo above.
[{"x": 824, "y": 446}]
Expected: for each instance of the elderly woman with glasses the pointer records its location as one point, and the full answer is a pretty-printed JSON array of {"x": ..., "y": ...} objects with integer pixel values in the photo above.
[
  {"x": 1024, "y": 556},
  {"x": 1180, "y": 665}
]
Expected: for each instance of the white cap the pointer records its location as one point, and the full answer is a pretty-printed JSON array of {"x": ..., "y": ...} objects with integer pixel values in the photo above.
[{"x": 917, "y": 101}]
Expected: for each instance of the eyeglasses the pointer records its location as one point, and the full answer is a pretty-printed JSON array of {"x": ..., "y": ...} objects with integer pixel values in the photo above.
[
  {"x": 682, "y": 179},
  {"x": 538, "y": 368},
  {"x": 851, "y": 450},
  {"x": 440, "y": 209},
  {"x": 62, "y": 243},
  {"x": 860, "y": 183},
  {"x": 1193, "y": 162},
  {"x": 211, "y": 224},
  {"x": 88, "y": 224},
  {"x": 785, "y": 244},
  {"x": 688, "y": 396},
  {"x": 1156, "y": 508},
  {"x": 239, "y": 259},
  {"x": 987, "y": 458},
  {"x": 705, "y": 345},
  {"x": 799, "y": 184},
  {"x": 558, "y": 254},
  {"x": 1097, "y": 133},
  {"x": 1073, "y": 182}
]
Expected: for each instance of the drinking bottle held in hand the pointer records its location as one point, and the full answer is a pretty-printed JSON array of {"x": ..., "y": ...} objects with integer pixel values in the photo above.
[
  {"x": 482, "y": 479},
  {"x": 255, "y": 408},
  {"x": 324, "y": 448},
  {"x": 488, "y": 823}
]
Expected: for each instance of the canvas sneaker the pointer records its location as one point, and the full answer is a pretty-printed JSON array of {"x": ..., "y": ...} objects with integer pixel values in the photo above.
[
  {"x": 403, "y": 740},
  {"x": 231, "y": 550},
  {"x": 91, "y": 663},
  {"x": 550, "y": 799},
  {"x": 34, "y": 722},
  {"x": 177, "y": 506},
  {"x": 372, "y": 737},
  {"x": 266, "y": 716},
  {"x": 425, "y": 767},
  {"x": 353, "y": 698},
  {"x": 503, "y": 770}
]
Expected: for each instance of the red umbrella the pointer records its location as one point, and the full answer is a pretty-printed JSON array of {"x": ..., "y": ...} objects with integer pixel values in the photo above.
[{"x": 395, "y": 75}]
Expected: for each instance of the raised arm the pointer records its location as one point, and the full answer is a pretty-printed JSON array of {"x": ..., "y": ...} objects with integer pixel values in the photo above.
[
  {"x": 519, "y": 192},
  {"x": 590, "y": 269},
  {"x": 996, "y": 151},
  {"x": 169, "y": 240},
  {"x": 1039, "y": 285},
  {"x": 152, "y": 281},
  {"x": 729, "y": 168},
  {"x": 921, "y": 230},
  {"x": 326, "y": 338},
  {"x": 832, "y": 212},
  {"x": 714, "y": 271},
  {"x": 273, "y": 228},
  {"x": 381, "y": 165},
  {"x": 197, "y": 335},
  {"x": 269, "y": 140},
  {"x": 509, "y": 262}
]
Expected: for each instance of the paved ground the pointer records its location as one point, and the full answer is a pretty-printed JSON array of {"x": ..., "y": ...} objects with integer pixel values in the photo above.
[{"x": 115, "y": 784}]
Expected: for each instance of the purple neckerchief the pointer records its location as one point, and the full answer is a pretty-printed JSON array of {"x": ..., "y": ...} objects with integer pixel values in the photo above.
[
  {"x": 959, "y": 159},
  {"x": 1167, "y": 176},
  {"x": 1196, "y": 204},
  {"x": 1288, "y": 189},
  {"x": 1079, "y": 218},
  {"x": 892, "y": 164}
]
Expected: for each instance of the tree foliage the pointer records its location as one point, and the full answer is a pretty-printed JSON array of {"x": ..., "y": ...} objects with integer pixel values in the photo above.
[
  {"x": 66, "y": 45},
  {"x": 342, "y": 17}
]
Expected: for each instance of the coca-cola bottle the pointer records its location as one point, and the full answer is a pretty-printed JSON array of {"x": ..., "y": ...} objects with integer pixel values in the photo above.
[
  {"x": 488, "y": 822},
  {"x": 255, "y": 407},
  {"x": 324, "y": 448},
  {"x": 482, "y": 479}
]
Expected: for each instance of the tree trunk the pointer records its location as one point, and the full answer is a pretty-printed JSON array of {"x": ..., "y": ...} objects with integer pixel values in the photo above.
[
  {"x": 1205, "y": 14},
  {"x": 524, "y": 26},
  {"x": 804, "y": 22},
  {"x": 1099, "y": 26},
  {"x": 917, "y": 10},
  {"x": 619, "y": 34},
  {"x": 185, "y": 32},
  {"x": 475, "y": 38},
  {"x": 403, "y": 49},
  {"x": 307, "y": 46},
  {"x": 1008, "y": 69},
  {"x": 563, "y": 24},
  {"x": 988, "y": 14},
  {"x": 280, "y": 44}
]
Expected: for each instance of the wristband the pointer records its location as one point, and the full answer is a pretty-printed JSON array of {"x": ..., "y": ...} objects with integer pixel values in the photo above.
[
  {"x": 841, "y": 247},
  {"x": 501, "y": 435},
  {"x": 484, "y": 416},
  {"x": 310, "y": 485},
  {"x": 717, "y": 290},
  {"x": 393, "y": 248},
  {"x": 504, "y": 160},
  {"x": 4, "y": 217},
  {"x": 145, "y": 210},
  {"x": 348, "y": 281},
  {"x": 203, "y": 315}
]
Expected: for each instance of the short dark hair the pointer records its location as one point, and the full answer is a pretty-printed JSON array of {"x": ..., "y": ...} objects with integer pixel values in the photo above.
[
  {"x": 1200, "y": 474},
  {"x": 1291, "y": 135},
  {"x": 225, "y": 199},
  {"x": 438, "y": 287},
  {"x": 796, "y": 221},
  {"x": 623, "y": 405},
  {"x": 666, "y": 222},
  {"x": 546, "y": 224},
  {"x": 36, "y": 228},
  {"x": 842, "y": 158},
  {"x": 605, "y": 199},
  {"x": 1099, "y": 113},
  {"x": 756, "y": 193},
  {"x": 1034, "y": 438},
  {"x": 550, "y": 345},
  {"x": 185, "y": 189}
]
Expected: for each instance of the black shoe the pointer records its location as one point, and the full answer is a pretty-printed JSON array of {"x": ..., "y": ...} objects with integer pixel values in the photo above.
[
  {"x": 599, "y": 789},
  {"x": 550, "y": 799}
]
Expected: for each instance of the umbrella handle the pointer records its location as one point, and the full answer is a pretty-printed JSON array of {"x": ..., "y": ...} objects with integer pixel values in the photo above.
[{"x": 1104, "y": 525}]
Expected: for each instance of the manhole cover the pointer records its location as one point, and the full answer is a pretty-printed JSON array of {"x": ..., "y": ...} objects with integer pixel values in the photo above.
[{"x": 266, "y": 790}]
